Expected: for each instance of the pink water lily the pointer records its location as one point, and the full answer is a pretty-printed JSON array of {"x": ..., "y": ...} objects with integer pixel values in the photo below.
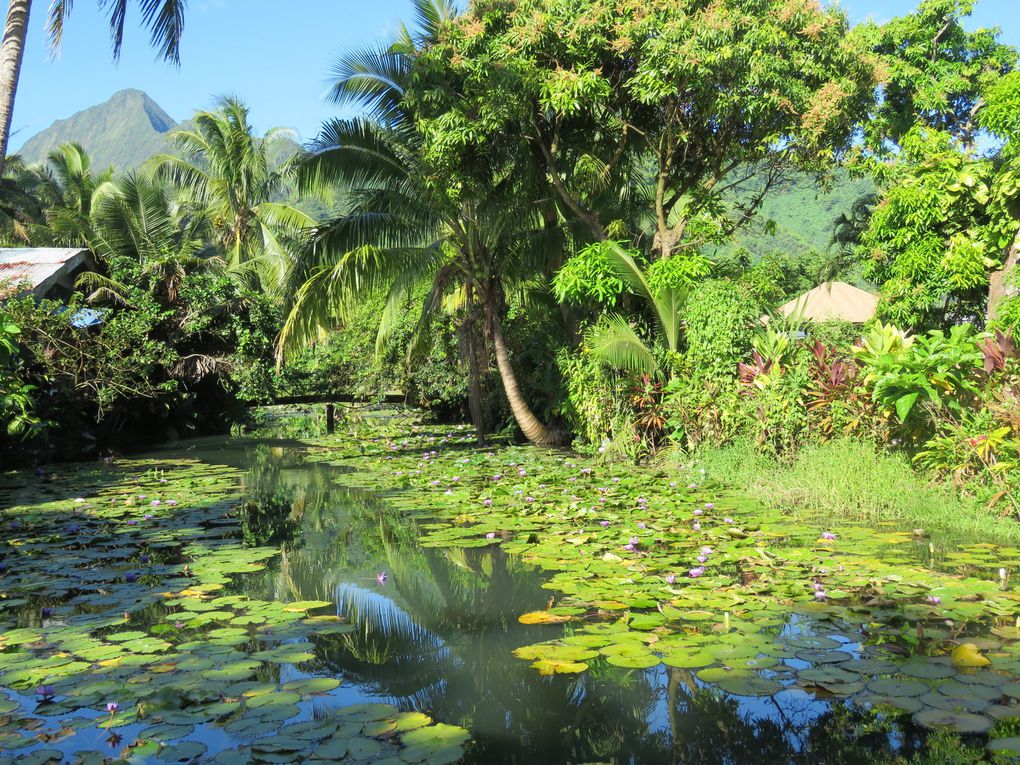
[{"x": 695, "y": 572}]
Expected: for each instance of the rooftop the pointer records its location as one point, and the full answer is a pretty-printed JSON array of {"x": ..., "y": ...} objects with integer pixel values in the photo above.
[{"x": 38, "y": 266}]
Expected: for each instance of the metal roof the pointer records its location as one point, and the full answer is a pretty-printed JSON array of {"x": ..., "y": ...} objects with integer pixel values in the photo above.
[{"x": 38, "y": 266}]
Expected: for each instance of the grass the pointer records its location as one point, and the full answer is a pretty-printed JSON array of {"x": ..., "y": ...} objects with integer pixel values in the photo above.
[{"x": 851, "y": 480}]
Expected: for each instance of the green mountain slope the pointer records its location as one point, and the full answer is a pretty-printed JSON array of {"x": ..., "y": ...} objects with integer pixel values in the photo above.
[
  {"x": 803, "y": 215},
  {"x": 123, "y": 132}
]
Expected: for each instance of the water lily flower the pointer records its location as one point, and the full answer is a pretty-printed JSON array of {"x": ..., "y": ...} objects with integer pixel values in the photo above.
[
  {"x": 819, "y": 594},
  {"x": 148, "y": 516},
  {"x": 818, "y": 586},
  {"x": 47, "y": 612},
  {"x": 154, "y": 503},
  {"x": 79, "y": 500},
  {"x": 130, "y": 577},
  {"x": 1002, "y": 574},
  {"x": 629, "y": 547},
  {"x": 491, "y": 535},
  {"x": 706, "y": 550},
  {"x": 616, "y": 480},
  {"x": 727, "y": 520},
  {"x": 487, "y": 502},
  {"x": 828, "y": 535},
  {"x": 933, "y": 600},
  {"x": 434, "y": 483},
  {"x": 112, "y": 707},
  {"x": 699, "y": 511},
  {"x": 696, "y": 526},
  {"x": 143, "y": 558},
  {"x": 709, "y": 506},
  {"x": 640, "y": 525},
  {"x": 670, "y": 578},
  {"x": 695, "y": 572},
  {"x": 692, "y": 486},
  {"x": 604, "y": 524},
  {"x": 131, "y": 522},
  {"x": 497, "y": 477},
  {"x": 46, "y": 692},
  {"x": 702, "y": 558},
  {"x": 529, "y": 499},
  {"x": 672, "y": 484},
  {"x": 382, "y": 577},
  {"x": 634, "y": 541},
  {"x": 455, "y": 478},
  {"x": 171, "y": 502},
  {"x": 179, "y": 625}
]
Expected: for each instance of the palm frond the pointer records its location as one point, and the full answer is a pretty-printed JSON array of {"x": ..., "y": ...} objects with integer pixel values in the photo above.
[{"x": 615, "y": 342}]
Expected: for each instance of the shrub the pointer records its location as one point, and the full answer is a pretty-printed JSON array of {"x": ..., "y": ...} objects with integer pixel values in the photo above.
[{"x": 720, "y": 322}]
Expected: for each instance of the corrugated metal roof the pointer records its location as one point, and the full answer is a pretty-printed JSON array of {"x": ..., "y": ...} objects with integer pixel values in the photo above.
[{"x": 35, "y": 265}]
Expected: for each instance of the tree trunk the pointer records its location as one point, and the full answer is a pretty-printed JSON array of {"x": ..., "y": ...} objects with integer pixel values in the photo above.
[
  {"x": 1000, "y": 283},
  {"x": 12, "y": 50},
  {"x": 534, "y": 431}
]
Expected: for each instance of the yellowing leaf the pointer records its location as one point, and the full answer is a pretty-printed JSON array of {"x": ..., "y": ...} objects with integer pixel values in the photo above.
[
  {"x": 542, "y": 617},
  {"x": 968, "y": 655}
]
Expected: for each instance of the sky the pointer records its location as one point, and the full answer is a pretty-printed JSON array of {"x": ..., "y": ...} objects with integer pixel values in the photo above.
[{"x": 275, "y": 55}]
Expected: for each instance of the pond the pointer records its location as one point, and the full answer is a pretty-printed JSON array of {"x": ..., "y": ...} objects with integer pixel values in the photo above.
[{"x": 395, "y": 594}]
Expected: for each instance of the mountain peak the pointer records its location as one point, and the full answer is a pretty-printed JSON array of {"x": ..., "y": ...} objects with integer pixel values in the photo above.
[{"x": 123, "y": 131}]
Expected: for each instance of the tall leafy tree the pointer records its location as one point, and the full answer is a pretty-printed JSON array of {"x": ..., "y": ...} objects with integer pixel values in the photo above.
[
  {"x": 942, "y": 224},
  {"x": 228, "y": 170},
  {"x": 687, "y": 98},
  {"x": 410, "y": 220},
  {"x": 163, "y": 18}
]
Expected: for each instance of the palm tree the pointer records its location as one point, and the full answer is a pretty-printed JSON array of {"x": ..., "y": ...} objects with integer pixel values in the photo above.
[
  {"x": 135, "y": 221},
  {"x": 163, "y": 18},
  {"x": 71, "y": 191},
  {"x": 227, "y": 170},
  {"x": 22, "y": 207},
  {"x": 401, "y": 227},
  {"x": 615, "y": 340}
]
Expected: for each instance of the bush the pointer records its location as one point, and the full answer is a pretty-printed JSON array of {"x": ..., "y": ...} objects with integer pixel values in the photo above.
[{"x": 720, "y": 321}]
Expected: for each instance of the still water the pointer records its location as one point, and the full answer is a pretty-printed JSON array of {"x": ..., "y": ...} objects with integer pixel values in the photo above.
[{"x": 435, "y": 630}]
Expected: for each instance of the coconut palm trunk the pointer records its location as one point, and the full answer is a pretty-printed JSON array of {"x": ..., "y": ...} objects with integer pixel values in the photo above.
[
  {"x": 534, "y": 431},
  {"x": 12, "y": 51}
]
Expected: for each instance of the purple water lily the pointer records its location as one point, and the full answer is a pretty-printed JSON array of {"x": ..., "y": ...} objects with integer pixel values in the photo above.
[
  {"x": 112, "y": 707},
  {"x": 709, "y": 506},
  {"x": 47, "y": 612},
  {"x": 382, "y": 577},
  {"x": 695, "y": 572},
  {"x": 491, "y": 535},
  {"x": 933, "y": 600},
  {"x": 819, "y": 594},
  {"x": 828, "y": 535},
  {"x": 699, "y": 511},
  {"x": 487, "y": 502},
  {"x": 604, "y": 524},
  {"x": 130, "y": 577},
  {"x": 670, "y": 578},
  {"x": 45, "y": 692}
]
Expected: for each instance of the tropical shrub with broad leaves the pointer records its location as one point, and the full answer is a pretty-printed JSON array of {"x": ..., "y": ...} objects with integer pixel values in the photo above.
[
  {"x": 916, "y": 379},
  {"x": 17, "y": 418}
]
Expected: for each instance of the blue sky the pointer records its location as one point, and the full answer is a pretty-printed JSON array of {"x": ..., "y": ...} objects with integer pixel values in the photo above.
[{"x": 274, "y": 55}]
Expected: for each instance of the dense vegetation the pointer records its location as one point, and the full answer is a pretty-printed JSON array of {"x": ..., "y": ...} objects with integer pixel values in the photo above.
[{"x": 564, "y": 220}]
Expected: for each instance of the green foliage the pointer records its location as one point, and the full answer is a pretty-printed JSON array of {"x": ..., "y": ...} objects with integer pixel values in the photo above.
[
  {"x": 679, "y": 272},
  {"x": 835, "y": 333},
  {"x": 851, "y": 479},
  {"x": 595, "y": 401},
  {"x": 916, "y": 380},
  {"x": 16, "y": 404},
  {"x": 588, "y": 277},
  {"x": 720, "y": 320}
]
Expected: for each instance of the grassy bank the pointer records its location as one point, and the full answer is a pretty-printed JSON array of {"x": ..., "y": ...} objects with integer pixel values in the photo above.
[{"x": 852, "y": 480}]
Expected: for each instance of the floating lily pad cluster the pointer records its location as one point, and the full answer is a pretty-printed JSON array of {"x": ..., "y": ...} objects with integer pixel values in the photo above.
[
  {"x": 650, "y": 569},
  {"x": 122, "y": 632}
]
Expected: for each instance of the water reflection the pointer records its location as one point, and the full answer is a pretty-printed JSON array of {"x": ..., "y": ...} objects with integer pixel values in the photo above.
[{"x": 437, "y": 637}]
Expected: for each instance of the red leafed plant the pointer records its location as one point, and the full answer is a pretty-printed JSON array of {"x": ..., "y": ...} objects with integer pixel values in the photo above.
[{"x": 998, "y": 350}]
